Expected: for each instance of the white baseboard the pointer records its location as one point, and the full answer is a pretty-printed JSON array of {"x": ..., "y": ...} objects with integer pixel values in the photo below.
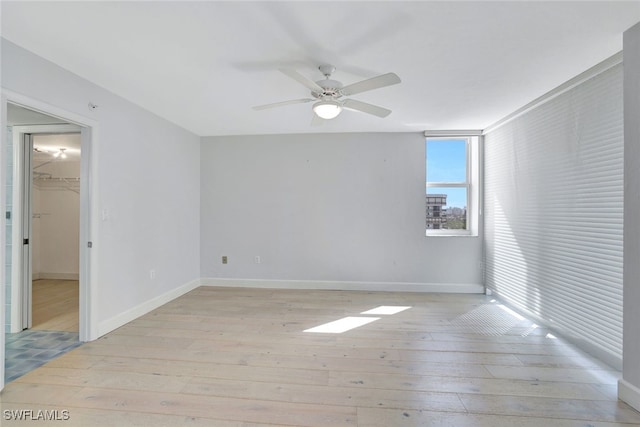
[
  {"x": 459, "y": 288},
  {"x": 56, "y": 276},
  {"x": 629, "y": 393},
  {"x": 121, "y": 319}
]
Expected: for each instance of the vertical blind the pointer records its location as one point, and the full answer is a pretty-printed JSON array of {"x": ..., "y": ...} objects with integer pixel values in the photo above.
[{"x": 554, "y": 211}]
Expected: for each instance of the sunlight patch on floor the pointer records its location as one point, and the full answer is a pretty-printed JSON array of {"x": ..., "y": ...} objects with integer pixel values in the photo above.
[
  {"x": 351, "y": 322},
  {"x": 386, "y": 310},
  {"x": 342, "y": 325}
]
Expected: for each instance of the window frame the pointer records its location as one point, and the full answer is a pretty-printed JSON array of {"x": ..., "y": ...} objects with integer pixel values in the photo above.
[{"x": 471, "y": 184}]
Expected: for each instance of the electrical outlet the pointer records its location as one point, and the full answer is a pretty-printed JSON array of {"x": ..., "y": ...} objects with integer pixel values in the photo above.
[
  {"x": 257, "y": 259},
  {"x": 152, "y": 274},
  {"x": 224, "y": 259}
]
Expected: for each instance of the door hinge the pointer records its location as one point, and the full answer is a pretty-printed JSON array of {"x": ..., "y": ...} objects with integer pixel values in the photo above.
[{"x": 89, "y": 245}]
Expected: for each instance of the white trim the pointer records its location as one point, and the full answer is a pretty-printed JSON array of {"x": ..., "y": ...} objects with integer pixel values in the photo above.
[
  {"x": 456, "y": 184},
  {"x": 88, "y": 315},
  {"x": 47, "y": 109},
  {"x": 629, "y": 394},
  {"x": 454, "y": 288},
  {"x": 445, "y": 232},
  {"x": 121, "y": 319},
  {"x": 577, "y": 80}
]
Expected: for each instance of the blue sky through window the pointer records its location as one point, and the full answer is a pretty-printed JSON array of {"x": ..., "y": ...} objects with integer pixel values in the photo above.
[{"x": 447, "y": 162}]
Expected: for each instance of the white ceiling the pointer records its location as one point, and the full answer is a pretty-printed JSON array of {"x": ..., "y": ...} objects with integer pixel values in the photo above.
[
  {"x": 203, "y": 65},
  {"x": 47, "y": 145}
]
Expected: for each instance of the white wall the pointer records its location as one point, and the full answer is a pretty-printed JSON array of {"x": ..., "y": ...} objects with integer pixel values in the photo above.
[
  {"x": 146, "y": 181},
  {"x": 325, "y": 207},
  {"x": 58, "y": 238},
  {"x": 629, "y": 388},
  {"x": 56, "y": 223}
]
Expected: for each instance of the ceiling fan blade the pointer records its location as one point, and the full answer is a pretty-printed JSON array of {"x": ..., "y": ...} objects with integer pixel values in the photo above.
[
  {"x": 370, "y": 84},
  {"x": 315, "y": 87},
  {"x": 352, "y": 104},
  {"x": 283, "y": 103}
]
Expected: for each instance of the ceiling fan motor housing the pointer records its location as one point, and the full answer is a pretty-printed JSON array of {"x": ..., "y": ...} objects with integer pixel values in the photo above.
[{"x": 330, "y": 88}]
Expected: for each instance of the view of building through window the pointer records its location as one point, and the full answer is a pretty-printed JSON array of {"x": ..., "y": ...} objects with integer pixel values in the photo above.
[
  {"x": 447, "y": 183},
  {"x": 441, "y": 216}
]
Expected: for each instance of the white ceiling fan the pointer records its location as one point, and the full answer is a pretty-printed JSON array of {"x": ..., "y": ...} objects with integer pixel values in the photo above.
[{"x": 328, "y": 94}]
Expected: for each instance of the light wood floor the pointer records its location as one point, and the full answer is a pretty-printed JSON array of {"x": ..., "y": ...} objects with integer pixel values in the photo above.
[
  {"x": 239, "y": 357},
  {"x": 55, "y": 305}
]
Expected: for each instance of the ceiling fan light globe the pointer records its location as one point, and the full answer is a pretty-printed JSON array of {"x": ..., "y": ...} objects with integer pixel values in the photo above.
[{"x": 327, "y": 109}]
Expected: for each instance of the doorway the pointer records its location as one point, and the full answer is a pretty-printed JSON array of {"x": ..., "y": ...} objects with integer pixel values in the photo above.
[
  {"x": 43, "y": 217},
  {"x": 55, "y": 232}
]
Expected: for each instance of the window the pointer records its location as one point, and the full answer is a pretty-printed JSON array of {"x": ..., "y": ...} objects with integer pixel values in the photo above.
[{"x": 450, "y": 190}]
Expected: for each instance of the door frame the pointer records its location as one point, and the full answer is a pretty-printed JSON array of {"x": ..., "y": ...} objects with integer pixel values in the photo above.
[{"x": 89, "y": 129}]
